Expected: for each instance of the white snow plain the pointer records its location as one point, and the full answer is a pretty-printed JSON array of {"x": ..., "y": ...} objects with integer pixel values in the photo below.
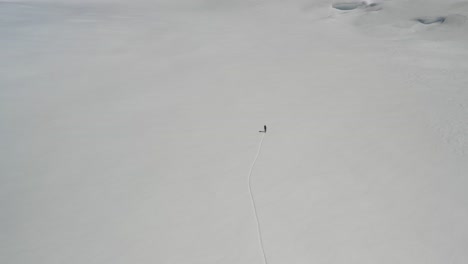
[{"x": 127, "y": 130}]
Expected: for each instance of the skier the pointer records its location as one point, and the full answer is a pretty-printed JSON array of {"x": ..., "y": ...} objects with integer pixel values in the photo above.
[{"x": 264, "y": 129}]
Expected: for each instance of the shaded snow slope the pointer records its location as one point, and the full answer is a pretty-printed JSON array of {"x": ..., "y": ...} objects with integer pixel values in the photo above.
[{"x": 128, "y": 129}]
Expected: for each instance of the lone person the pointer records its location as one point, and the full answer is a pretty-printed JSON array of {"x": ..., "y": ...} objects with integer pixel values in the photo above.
[{"x": 264, "y": 129}]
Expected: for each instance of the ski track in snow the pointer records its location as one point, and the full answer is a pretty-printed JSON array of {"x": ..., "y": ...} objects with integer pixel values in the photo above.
[{"x": 259, "y": 232}]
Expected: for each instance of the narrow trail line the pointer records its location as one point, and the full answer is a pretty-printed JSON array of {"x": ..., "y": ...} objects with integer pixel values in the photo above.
[{"x": 259, "y": 232}]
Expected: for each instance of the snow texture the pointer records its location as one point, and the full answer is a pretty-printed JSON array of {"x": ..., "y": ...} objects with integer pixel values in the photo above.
[{"x": 128, "y": 128}]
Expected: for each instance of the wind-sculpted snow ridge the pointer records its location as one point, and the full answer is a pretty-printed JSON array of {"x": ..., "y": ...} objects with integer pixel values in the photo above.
[
  {"x": 259, "y": 232},
  {"x": 427, "y": 19},
  {"x": 346, "y": 6},
  {"x": 453, "y": 20},
  {"x": 431, "y": 20}
]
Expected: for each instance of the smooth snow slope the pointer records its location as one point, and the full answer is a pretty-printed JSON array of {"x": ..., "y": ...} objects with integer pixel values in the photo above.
[{"x": 128, "y": 129}]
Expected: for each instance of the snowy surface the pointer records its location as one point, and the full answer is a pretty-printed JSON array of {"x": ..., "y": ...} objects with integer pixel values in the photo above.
[{"x": 128, "y": 128}]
